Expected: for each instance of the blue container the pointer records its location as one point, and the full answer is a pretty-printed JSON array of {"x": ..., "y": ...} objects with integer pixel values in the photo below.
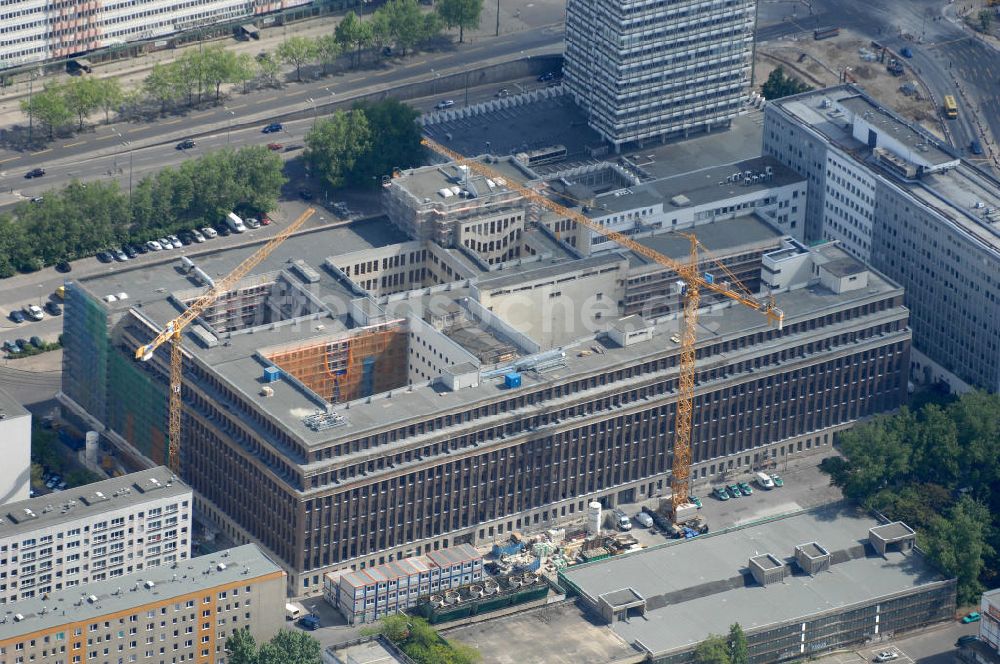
[
  {"x": 512, "y": 380},
  {"x": 272, "y": 374}
]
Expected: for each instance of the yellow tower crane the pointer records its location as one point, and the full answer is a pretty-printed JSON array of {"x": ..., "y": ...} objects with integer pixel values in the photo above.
[
  {"x": 172, "y": 331},
  {"x": 694, "y": 282}
]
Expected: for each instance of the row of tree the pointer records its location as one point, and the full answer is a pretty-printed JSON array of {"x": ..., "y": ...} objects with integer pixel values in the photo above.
[
  {"x": 717, "y": 649},
  {"x": 779, "y": 85},
  {"x": 287, "y": 647},
  {"x": 82, "y": 219},
  {"x": 360, "y": 146},
  {"x": 59, "y": 103},
  {"x": 421, "y": 643},
  {"x": 938, "y": 470}
]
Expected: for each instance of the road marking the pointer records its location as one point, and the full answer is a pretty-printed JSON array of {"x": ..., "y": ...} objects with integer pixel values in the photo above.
[
  {"x": 33, "y": 154},
  {"x": 73, "y": 145},
  {"x": 418, "y": 62},
  {"x": 104, "y": 138},
  {"x": 4, "y": 161},
  {"x": 275, "y": 98},
  {"x": 237, "y": 106},
  {"x": 172, "y": 121},
  {"x": 132, "y": 131}
]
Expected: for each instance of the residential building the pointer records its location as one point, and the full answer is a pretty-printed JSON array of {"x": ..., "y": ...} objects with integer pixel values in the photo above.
[
  {"x": 801, "y": 584},
  {"x": 385, "y": 427},
  {"x": 15, "y": 438},
  {"x": 104, "y": 530},
  {"x": 162, "y": 615},
  {"x": 35, "y": 32},
  {"x": 366, "y": 595},
  {"x": 989, "y": 624},
  {"x": 643, "y": 70},
  {"x": 900, "y": 200}
]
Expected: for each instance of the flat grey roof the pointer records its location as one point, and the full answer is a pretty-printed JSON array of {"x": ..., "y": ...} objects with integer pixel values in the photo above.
[
  {"x": 721, "y": 560},
  {"x": 766, "y": 561},
  {"x": 242, "y": 564},
  {"x": 368, "y": 652},
  {"x": 891, "y": 532},
  {"x": 845, "y": 267},
  {"x": 622, "y": 597},
  {"x": 528, "y": 272},
  {"x": 11, "y": 407},
  {"x": 426, "y": 182},
  {"x": 725, "y": 235},
  {"x": 896, "y": 127},
  {"x": 812, "y": 550},
  {"x": 118, "y": 493}
]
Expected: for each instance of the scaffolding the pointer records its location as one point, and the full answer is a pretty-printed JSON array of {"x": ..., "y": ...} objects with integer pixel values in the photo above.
[{"x": 364, "y": 362}]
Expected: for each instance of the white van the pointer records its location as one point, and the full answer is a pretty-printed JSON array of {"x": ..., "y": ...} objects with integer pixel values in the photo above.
[
  {"x": 235, "y": 223},
  {"x": 292, "y": 612},
  {"x": 764, "y": 480},
  {"x": 622, "y": 521}
]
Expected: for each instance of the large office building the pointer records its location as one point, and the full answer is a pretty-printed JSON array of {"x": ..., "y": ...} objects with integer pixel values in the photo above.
[
  {"x": 800, "y": 585},
  {"x": 104, "y": 530},
  {"x": 342, "y": 427},
  {"x": 646, "y": 70},
  {"x": 15, "y": 446},
  {"x": 901, "y": 201},
  {"x": 162, "y": 615},
  {"x": 35, "y": 31}
]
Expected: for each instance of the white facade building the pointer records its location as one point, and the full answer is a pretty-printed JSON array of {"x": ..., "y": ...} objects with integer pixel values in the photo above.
[
  {"x": 989, "y": 625},
  {"x": 94, "y": 532},
  {"x": 15, "y": 439},
  {"x": 365, "y": 595},
  {"x": 36, "y": 30},
  {"x": 645, "y": 69}
]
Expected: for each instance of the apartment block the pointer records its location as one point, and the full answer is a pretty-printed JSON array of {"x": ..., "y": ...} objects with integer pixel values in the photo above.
[
  {"x": 163, "y": 615},
  {"x": 898, "y": 199},
  {"x": 646, "y": 70},
  {"x": 101, "y": 531},
  {"x": 15, "y": 439},
  {"x": 366, "y": 595}
]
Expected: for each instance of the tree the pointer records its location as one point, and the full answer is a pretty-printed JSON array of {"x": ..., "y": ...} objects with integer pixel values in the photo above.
[
  {"x": 354, "y": 34},
  {"x": 297, "y": 51},
  {"x": 778, "y": 85},
  {"x": 395, "y": 141},
  {"x": 110, "y": 97},
  {"x": 48, "y": 107},
  {"x": 162, "y": 85},
  {"x": 404, "y": 22},
  {"x": 328, "y": 49},
  {"x": 241, "y": 647},
  {"x": 189, "y": 74},
  {"x": 739, "y": 651},
  {"x": 83, "y": 96},
  {"x": 335, "y": 144},
  {"x": 289, "y": 647},
  {"x": 461, "y": 14},
  {"x": 220, "y": 66},
  {"x": 957, "y": 545},
  {"x": 713, "y": 650},
  {"x": 245, "y": 70},
  {"x": 268, "y": 68}
]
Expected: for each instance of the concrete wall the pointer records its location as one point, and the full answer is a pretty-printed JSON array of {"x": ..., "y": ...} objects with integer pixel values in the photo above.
[{"x": 430, "y": 352}]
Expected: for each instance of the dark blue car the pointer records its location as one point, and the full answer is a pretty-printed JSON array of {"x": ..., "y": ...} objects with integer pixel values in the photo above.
[
  {"x": 272, "y": 128},
  {"x": 309, "y": 622}
]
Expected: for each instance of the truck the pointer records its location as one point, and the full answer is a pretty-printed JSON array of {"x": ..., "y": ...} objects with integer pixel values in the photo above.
[
  {"x": 235, "y": 223},
  {"x": 292, "y": 612},
  {"x": 622, "y": 521}
]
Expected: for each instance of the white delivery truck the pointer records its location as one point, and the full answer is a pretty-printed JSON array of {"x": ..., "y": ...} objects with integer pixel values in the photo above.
[
  {"x": 622, "y": 521},
  {"x": 235, "y": 223},
  {"x": 292, "y": 612},
  {"x": 764, "y": 480}
]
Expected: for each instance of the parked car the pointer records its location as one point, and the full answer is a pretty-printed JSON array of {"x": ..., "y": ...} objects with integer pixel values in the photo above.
[
  {"x": 18, "y": 317},
  {"x": 444, "y": 103},
  {"x": 35, "y": 173},
  {"x": 153, "y": 245},
  {"x": 209, "y": 232},
  {"x": 130, "y": 251},
  {"x": 176, "y": 241},
  {"x": 720, "y": 493},
  {"x": 764, "y": 480},
  {"x": 105, "y": 257},
  {"x": 223, "y": 230},
  {"x": 34, "y": 312},
  {"x": 166, "y": 243},
  {"x": 644, "y": 520},
  {"x": 966, "y": 640},
  {"x": 251, "y": 222},
  {"x": 186, "y": 144},
  {"x": 777, "y": 479},
  {"x": 272, "y": 128},
  {"x": 140, "y": 248},
  {"x": 197, "y": 236},
  {"x": 119, "y": 255},
  {"x": 36, "y": 342},
  {"x": 695, "y": 500},
  {"x": 886, "y": 656},
  {"x": 971, "y": 617},
  {"x": 11, "y": 347},
  {"x": 185, "y": 237},
  {"x": 63, "y": 267},
  {"x": 309, "y": 622},
  {"x": 265, "y": 220},
  {"x": 53, "y": 308},
  {"x": 976, "y": 147},
  {"x": 275, "y": 146},
  {"x": 734, "y": 491},
  {"x": 745, "y": 488},
  {"x": 37, "y": 199},
  {"x": 906, "y": 52}
]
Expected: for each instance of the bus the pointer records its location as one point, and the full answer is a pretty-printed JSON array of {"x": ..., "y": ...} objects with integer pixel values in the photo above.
[{"x": 950, "y": 107}]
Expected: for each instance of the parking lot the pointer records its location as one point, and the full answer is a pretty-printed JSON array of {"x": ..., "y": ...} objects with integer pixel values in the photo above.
[{"x": 935, "y": 645}]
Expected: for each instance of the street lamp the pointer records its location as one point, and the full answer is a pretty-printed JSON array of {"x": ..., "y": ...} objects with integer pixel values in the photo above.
[
  {"x": 128, "y": 144},
  {"x": 313, "y": 102},
  {"x": 229, "y": 129}
]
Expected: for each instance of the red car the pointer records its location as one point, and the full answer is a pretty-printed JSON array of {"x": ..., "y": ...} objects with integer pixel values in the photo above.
[
  {"x": 275, "y": 146},
  {"x": 265, "y": 220}
]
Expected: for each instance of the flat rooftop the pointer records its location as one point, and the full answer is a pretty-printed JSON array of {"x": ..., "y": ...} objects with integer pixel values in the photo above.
[
  {"x": 126, "y": 593},
  {"x": 11, "y": 407},
  {"x": 720, "y": 237},
  {"x": 964, "y": 195},
  {"x": 427, "y": 183},
  {"x": 699, "y": 587},
  {"x": 368, "y": 652},
  {"x": 79, "y": 503}
]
